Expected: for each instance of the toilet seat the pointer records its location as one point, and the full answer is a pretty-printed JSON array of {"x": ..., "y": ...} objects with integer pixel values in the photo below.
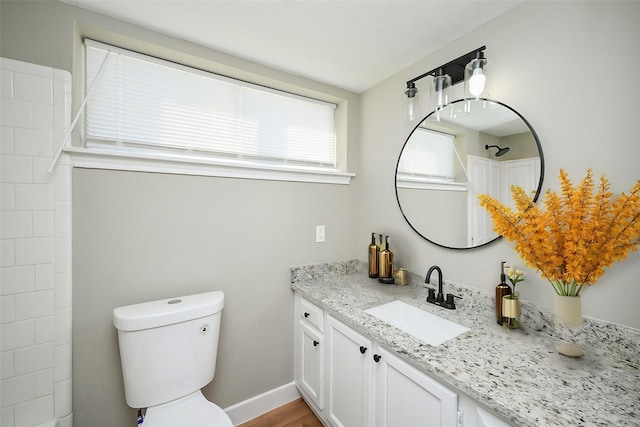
[{"x": 193, "y": 410}]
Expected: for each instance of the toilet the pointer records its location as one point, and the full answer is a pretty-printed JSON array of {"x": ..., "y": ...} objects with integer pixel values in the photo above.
[{"x": 168, "y": 351}]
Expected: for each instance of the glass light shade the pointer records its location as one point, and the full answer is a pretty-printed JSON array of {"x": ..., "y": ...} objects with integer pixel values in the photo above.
[
  {"x": 440, "y": 91},
  {"x": 411, "y": 104},
  {"x": 475, "y": 78}
]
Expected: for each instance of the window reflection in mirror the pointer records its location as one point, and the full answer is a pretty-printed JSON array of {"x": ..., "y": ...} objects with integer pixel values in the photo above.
[{"x": 451, "y": 157}]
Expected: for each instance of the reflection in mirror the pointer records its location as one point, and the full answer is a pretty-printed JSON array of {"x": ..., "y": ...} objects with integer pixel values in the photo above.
[{"x": 468, "y": 148}]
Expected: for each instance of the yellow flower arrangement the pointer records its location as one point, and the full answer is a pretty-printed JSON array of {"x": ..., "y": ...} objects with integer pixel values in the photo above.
[{"x": 576, "y": 236}]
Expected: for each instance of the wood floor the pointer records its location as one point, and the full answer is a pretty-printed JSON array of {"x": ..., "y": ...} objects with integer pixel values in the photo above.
[{"x": 293, "y": 414}]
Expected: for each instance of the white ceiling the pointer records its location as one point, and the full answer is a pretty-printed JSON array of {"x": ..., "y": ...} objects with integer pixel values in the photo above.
[{"x": 349, "y": 44}]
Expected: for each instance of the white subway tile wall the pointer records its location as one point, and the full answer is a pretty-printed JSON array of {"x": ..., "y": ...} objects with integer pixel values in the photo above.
[{"x": 35, "y": 246}]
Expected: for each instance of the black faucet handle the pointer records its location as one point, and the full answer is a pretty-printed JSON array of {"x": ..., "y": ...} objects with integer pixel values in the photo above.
[
  {"x": 431, "y": 296},
  {"x": 449, "y": 303}
]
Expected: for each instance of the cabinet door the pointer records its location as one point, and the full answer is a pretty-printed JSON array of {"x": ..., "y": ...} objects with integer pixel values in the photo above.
[
  {"x": 408, "y": 397},
  {"x": 349, "y": 364},
  {"x": 473, "y": 414},
  {"x": 311, "y": 364}
]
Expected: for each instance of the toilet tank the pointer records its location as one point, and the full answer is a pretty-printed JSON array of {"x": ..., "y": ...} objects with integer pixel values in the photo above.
[{"x": 168, "y": 348}]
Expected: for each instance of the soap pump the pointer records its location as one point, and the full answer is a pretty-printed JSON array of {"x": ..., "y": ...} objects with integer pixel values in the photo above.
[
  {"x": 374, "y": 254},
  {"x": 501, "y": 290},
  {"x": 385, "y": 269}
]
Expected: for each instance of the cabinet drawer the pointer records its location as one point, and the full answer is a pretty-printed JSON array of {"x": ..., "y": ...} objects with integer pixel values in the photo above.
[{"x": 312, "y": 314}]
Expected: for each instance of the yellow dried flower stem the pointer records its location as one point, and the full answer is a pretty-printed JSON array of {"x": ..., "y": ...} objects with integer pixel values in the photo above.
[
  {"x": 623, "y": 231},
  {"x": 576, "y": 236}
]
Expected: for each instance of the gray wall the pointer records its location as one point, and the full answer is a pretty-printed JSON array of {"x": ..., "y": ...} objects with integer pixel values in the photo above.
[
  {"x": 140, "y": 237},
  {"x": 144, "y": 236},
  {"x": 548, "y": 62},
  {"x": 428, "y": 208}
]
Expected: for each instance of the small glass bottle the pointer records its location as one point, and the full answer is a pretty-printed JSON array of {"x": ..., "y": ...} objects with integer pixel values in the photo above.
[
  {"x": 374, "y": 254},
  {"x": 501, "y": 290},
  {"x": 385, "y": 270}
]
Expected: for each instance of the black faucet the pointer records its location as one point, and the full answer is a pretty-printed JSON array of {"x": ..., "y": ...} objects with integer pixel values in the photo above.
[{"x": 439, "y": 299}]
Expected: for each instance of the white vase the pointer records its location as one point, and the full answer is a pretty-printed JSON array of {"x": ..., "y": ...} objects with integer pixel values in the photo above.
[{"x": 568, "y": 325}]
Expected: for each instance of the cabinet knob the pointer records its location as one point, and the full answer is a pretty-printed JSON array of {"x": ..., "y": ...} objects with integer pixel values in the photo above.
[
  {"x": 306, "y": 314},
  {"x": 363, "y": 349},
  {"x": 315, "y": 343},
  {"x": 377, "y": 357}
]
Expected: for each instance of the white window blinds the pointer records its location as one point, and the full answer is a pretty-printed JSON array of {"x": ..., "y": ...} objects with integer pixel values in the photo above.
[
  {"x": 144, "y": 102},
  {"x": 429, "y": 156}
]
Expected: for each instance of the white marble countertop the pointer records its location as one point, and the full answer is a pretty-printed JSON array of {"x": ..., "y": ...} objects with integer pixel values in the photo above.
[{"x": 517, "y": 373}]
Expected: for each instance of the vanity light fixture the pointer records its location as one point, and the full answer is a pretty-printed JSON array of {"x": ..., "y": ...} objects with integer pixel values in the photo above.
[
  {"x": 475, "y": 76},
  {"x": 411, "y": 103},
  {"x": 500, "y": 152},
  {"x": 441, "y": 90},
  {"x": 444, "y": 77}
]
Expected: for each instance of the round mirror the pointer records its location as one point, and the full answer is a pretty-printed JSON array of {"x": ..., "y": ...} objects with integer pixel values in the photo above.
[{"x": 468, "y": 148}]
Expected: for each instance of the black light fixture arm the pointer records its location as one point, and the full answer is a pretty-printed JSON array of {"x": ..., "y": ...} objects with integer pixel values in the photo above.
[{"x": 455, "y": 68}]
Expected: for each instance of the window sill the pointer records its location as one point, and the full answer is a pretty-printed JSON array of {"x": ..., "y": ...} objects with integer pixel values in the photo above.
[
  {"x": 196, "y": 165},
  {"x": 431, "y": 185}
]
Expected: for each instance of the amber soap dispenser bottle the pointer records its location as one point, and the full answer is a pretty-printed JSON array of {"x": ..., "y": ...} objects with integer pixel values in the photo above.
[
  {"x": 374, "y": 254},
  {"x": 501, "y": 290},
  {"x": 385, "y": 269}
]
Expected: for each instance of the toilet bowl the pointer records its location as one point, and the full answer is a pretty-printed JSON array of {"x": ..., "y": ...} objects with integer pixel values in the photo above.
[
  {"x": 193, "y": 410},
  {"x": 168, "y": 351}
]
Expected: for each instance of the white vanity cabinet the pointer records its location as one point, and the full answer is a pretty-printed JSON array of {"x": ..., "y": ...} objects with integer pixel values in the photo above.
[
  {"x": 408, "y": 397},
  {"x": 309, "y": 355},
  {"x": 349, "y": 376},
  {"x": 475, "y": 415},
  {"x": 351, "y": 381}
]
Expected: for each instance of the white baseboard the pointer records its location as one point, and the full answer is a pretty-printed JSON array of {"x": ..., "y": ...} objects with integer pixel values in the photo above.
[{"x": 254, "y": 407}]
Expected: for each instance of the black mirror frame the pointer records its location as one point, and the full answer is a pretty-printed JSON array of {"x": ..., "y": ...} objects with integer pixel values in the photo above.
[{"x": 538, "y": 189}]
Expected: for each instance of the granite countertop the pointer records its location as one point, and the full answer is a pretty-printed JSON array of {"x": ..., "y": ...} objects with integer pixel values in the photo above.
[{"x": 517, "y": 373}]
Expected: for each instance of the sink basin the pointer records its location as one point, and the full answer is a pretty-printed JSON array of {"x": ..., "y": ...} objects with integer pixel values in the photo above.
[{"x": 430, "y": 328}]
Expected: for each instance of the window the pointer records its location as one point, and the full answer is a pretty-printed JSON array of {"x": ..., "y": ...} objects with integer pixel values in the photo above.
[
  {"x": 429, "y": 162},
  {"x": 430, "y": 156},
  {"x": 150, "y": 108}
]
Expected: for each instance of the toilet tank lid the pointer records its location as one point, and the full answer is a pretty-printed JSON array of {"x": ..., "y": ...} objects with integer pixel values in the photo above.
[{"x": 164, "y": 312}]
